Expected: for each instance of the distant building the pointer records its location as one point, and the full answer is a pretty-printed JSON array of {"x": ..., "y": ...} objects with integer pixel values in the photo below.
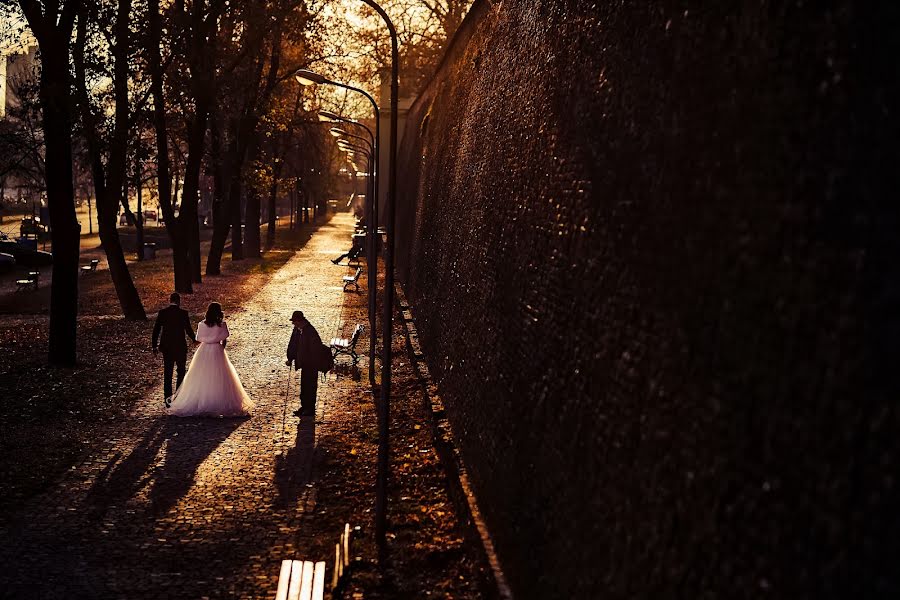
[
  {"x": 15, "y": 69},
  {"x": 2, "y": 86},
  {"x": 17, "y": 186},
  {"x": 384, "y": 155}
]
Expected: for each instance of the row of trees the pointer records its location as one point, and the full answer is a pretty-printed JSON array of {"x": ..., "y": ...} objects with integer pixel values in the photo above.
[
  {"x": 207, "y": 83},
  {"x": 201, "y": 87},
  {"x": 424, "y": 28}
]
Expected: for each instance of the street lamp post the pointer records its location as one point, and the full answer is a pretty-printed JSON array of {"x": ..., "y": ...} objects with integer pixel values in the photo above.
[
  {"x": 330, "y": 117},
  {"x": 387, "y": 320},
  {"x": 352, "y": 156},
  {"x": 306, "y": 77},
  {"x": 371, "y": 154},
  {"x": 383, "y": 406},
  {"x": 370, "y": 175}
]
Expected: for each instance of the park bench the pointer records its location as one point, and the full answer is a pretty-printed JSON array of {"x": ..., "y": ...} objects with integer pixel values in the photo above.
[
  {"x": 91, "y": 267},
  {"x": 305, "y": 580},
  {"x": 345, "y": 346},
  {"x": 301, "y": 580},
  {"x": 352, "y": 279},
  {"x": 30, "y": 280}
]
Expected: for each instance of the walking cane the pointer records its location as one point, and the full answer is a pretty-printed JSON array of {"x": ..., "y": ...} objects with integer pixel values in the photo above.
[{"x": 287, "y": 394}]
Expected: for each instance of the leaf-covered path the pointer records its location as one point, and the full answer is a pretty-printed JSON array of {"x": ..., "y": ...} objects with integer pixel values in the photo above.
[{"x": 192, "y": 508}]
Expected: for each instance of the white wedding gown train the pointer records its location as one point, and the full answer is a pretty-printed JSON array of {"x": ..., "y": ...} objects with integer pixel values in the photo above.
[{"x": 211, "y": 387}]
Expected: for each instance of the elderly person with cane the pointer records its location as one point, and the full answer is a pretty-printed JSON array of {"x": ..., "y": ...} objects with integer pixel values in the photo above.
[{"x": 301, "y": 354}]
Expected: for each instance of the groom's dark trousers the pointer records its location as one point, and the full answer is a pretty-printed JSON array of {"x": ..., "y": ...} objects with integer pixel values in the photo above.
[
  {"x": 173, "y": 362},
  {"x": 172, "y": 324}
]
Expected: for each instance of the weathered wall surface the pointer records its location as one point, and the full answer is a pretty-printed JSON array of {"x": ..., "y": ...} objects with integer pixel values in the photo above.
[{"x": 653, "y": 249}]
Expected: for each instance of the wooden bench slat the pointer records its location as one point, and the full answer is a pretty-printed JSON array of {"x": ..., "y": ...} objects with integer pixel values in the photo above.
[
  {"x": 346, "y": 545},
  {"x": 284, "y": 580},
  {"x": 31, "y": 279},
  {"x": 306, "y": 581},
  {"x": 318, "y": 592},
  {"x": 296, "y": 575},
  {"x": 338, "y": 567}
]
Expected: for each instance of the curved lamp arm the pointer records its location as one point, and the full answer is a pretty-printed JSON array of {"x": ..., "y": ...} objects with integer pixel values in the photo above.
[
  {"x": 330, "y": 116},
  {"x": 341, "y": 132}
]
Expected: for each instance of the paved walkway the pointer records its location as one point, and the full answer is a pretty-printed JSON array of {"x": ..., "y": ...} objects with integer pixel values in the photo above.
[{"x": 192, "y": 508}]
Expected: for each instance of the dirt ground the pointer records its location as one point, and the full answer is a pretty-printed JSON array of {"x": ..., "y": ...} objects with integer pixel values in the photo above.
[{"x": 103, "y": 496}]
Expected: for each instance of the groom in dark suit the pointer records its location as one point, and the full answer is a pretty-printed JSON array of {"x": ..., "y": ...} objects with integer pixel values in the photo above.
[
  {"x": 173, "y": 322},
  {"x": 301, "y": 349}
]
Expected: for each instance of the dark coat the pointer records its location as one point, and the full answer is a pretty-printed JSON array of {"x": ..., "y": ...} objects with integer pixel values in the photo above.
[
  {"x": 173, "y": 323},
  {"x": 302, "y": 347}
]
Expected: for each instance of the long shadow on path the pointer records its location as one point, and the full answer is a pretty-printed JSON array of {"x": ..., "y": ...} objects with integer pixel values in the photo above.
[
  {"x": 293, "y": 469},
  {"x": 164, "y": 462}
]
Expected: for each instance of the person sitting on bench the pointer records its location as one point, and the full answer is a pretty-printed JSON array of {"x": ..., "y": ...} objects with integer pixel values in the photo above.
[{"x": 352, "y": 253}]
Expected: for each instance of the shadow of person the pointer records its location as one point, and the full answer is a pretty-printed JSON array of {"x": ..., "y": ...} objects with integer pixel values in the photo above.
[
  {"x": 162, "y": 466},
  {"x": 189, "y": 442},
  {"x": 293, "y": 469},
  {"x": 123, "y": 477}
]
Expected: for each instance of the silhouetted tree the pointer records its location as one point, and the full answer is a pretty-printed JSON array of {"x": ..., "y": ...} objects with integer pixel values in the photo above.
[
  {"x": 108, "y": 168},
  {"x": 52, "y": 24}
]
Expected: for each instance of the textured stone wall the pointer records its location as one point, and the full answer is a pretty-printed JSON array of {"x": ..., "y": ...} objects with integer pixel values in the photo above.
[{"x": 653, "y": 250}]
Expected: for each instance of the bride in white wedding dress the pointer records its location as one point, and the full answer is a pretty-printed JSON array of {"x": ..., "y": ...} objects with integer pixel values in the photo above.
[{"x": 211, "y": 387}]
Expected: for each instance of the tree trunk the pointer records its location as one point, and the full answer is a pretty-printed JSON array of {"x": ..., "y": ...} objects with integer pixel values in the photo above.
[
  {"x": 110, "y": 185},
  {"x": 133, "y": 218},
  {"x": 190, "y": 196},
  {"x": 180, "y": 262},
  {"x": 273, "y": 198},
  {"x": 139, "y": 231},
  {"x": 129, "y": 299},
  {"x": 221, "y": 227},
  {"x": 244, "y": 130},
  {"x": 291, "y": 195},
  {"x": 231, "y": 209},
  {"x": 252, "y": 210},
  {"x": 107, "y": 212},
  {"x": 180, "y": 268},
  {"x": 202, "y": 69},
  {"x": 225, "y": 221},
  {"x": 251, "y": 220},
  {"x": 219, "y": 189},
  {"x": 298, "y": 193},
  {"x": 64, "y": 228},
  {"x": 222, "y": 205},
  {"x": 237, "y": 242}
]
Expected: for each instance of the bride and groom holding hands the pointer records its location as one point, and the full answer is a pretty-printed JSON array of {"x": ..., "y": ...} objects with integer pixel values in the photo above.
[{"x": 211, "y": 386}]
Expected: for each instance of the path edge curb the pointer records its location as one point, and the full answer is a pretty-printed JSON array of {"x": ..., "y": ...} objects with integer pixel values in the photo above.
[{"x": 460, "y": 488}]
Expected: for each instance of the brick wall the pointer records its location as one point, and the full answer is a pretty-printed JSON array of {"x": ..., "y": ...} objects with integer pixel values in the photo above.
[{"x": 653, "y": 249}]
